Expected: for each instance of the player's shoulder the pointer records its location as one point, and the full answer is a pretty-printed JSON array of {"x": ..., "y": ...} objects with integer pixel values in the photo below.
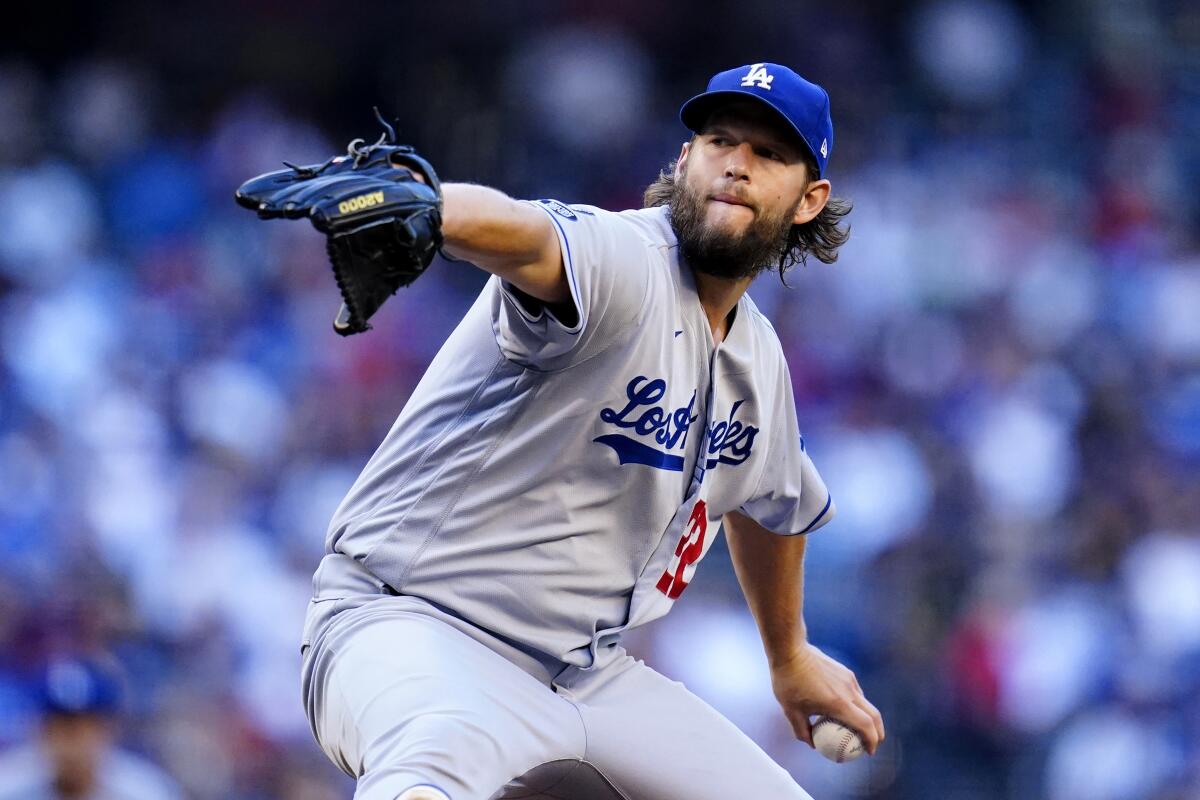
[
  {"x": 756, "y": 347},
  {"x": 651, "y": 225},
  {"x": 760, "y": 326}
]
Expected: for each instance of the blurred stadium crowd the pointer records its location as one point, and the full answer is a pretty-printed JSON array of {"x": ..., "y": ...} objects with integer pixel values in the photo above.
[{"x": 1000, "y": 379}]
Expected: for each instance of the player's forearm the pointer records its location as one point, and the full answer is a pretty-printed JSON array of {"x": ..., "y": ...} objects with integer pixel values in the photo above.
[
  {"x": 504, "y": 237},
  {"x": 770, "y": 569}
]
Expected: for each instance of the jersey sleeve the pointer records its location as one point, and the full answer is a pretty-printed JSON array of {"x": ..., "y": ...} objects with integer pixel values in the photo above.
[
  {"x": 790, "y": 497},
  {"x": 608, "y": 270}
]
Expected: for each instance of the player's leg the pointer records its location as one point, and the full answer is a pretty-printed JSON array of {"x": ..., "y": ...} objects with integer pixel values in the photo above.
[
  {"x": 413, "y": 706},
  {"x": 424, "y": 793},
  {"x": 655, "y": 740}
]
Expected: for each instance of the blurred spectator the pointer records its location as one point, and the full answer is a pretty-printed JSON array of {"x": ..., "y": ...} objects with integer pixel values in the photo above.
[{"x": 74, "y": 757}]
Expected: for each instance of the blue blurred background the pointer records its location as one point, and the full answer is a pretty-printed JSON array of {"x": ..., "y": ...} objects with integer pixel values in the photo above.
[{"x": 1000, "y": 378}]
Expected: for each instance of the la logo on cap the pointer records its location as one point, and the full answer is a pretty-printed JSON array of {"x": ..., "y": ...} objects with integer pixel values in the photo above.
[{"x": 758, "y": 76}]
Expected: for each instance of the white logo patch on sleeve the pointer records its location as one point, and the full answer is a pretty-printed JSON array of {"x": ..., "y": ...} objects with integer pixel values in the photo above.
[{"x": 559, "y": 208}]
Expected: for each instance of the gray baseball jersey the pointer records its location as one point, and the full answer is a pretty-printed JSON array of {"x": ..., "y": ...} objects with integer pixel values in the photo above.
[{"x": 558, "y": 481}]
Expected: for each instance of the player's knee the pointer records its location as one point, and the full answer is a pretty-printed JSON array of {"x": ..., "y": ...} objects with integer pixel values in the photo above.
[{"x": 423, "y": 793}]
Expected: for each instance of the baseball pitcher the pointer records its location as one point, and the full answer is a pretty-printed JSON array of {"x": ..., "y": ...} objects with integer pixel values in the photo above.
[{"x": 611, "y": 401}]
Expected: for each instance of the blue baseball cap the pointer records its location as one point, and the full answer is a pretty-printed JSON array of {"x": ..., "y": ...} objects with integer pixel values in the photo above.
[
  {"x": 802, "y": 104},
  {"x": 79, "y": 686}
]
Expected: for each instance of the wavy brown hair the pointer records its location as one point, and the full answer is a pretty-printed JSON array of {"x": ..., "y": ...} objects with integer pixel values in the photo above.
[{"x": 820, "y": 237}]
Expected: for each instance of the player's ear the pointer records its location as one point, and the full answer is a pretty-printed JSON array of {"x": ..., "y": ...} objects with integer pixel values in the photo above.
[
  {"x": 815, "y": 198},
  {"x": 679, "y": 162}
]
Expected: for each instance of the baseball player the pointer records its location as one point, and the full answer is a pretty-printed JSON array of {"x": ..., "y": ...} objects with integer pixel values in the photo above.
[
  {"x": 610, "y": 402},
  {"x": 75, "y": 754}
]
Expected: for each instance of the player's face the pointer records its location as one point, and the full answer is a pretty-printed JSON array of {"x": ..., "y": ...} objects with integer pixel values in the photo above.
[
  {"x": 740, "y": 185},
  {"x": 76, "y": 745}
]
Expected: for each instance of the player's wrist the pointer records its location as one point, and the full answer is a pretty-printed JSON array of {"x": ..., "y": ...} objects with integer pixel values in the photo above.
[{"x": 787, "y": 655}]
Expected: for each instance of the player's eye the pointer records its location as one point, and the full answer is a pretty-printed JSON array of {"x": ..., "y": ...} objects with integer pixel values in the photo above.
[{"x": 720, "y": 141}]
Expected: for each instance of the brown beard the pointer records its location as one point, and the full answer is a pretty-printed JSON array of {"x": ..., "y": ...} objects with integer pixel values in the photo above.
[{"x": 722, "y": 255}]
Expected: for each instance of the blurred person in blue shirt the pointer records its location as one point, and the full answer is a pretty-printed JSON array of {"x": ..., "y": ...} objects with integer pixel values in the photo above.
[{"x": 75, "y": 756}]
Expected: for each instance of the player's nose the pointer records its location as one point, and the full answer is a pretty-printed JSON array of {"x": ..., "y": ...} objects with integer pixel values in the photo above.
[{"x": 737, "y": 162}]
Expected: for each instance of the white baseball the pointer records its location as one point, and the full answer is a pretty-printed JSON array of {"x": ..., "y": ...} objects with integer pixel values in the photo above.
[{"x": 835, "y": 741}]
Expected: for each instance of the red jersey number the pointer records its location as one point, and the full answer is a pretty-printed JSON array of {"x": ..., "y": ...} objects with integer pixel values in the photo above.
[{"x": 691, "y": 547}]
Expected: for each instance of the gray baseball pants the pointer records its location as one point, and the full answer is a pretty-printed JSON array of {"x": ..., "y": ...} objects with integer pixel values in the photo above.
[{"x": 400, "y": 694}]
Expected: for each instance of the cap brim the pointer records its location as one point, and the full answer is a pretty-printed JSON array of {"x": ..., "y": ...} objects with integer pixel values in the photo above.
[{"x": 695, "y": 112}]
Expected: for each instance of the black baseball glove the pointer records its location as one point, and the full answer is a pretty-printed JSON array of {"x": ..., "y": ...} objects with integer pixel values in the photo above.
[{"x": 382, "y": 225}]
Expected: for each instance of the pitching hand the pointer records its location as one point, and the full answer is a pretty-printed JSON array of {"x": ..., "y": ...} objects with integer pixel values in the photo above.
[{"x": 811, "y": 683}]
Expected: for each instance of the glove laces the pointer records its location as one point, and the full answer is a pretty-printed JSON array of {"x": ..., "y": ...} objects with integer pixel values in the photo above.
[{"x": 358, "y": 149}]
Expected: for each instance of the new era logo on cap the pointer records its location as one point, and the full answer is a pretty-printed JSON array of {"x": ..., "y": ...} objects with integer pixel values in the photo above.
[{"x": 803, "y": 105}]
